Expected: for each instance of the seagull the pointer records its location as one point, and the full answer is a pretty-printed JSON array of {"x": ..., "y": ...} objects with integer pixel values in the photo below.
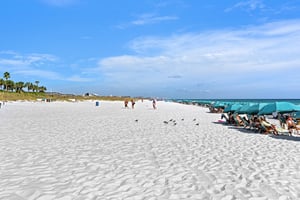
[
  {"x": 165, "y": 122},
  {"x": 197, "y": 124},
  {"x": 182, "y": 119},
  {"x": 136, "y": 120},
  {"x": 194, "y": 119}
]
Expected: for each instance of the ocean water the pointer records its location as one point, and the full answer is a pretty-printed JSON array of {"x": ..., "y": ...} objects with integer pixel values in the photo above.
[{"x": 241, "y": 101}]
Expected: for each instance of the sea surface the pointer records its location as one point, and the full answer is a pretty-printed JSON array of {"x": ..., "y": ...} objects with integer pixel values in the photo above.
[{"x": 230, "y": 101}]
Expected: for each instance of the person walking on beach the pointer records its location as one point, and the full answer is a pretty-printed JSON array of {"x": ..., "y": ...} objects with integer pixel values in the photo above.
[
  {"x": 132, "y": 103},
  {"x": 154, "y": 103},
  {"x": 126, "y": 103}
]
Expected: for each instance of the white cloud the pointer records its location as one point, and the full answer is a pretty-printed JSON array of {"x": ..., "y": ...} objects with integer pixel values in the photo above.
[
  {"x": 31, "y": 65},
  {"x": 14, "y": 60},
  {"x": 147, "y": 18},
  {"x": 10, "y": 62},
  {"x": 249, "y": 5},
  {"x": 39, "y": 73},
  {"x": 151, "y": 19},
  {"x": 51, "y": 75},
  {"x": 221, "y": 55}
]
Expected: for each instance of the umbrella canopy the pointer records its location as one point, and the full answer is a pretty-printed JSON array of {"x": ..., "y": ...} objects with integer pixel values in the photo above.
[
  {"x": 232, "y": 107},
  {"x": 281, "y": 107},
  {"x": 254, "y": 109},
  {"x": 219, "y": 104},
  {"x": 244, "y": 108}
]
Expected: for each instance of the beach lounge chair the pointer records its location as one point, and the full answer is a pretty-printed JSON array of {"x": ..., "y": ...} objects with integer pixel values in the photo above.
[
  {"x": 238, "y": 121},
  {"x": 254, "y": 123},
  {"x": 282, "y": 121},
  {"x": 225, "y": 117},
  {"x": 266, "y": 127},
  {"x": 282, "y": 131},
  {"x": 229, "y": 119},
  {"x": 246, "y": 123}
]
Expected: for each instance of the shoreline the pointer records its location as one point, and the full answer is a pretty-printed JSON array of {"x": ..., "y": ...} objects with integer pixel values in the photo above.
[{"x": 64, "y": 150}]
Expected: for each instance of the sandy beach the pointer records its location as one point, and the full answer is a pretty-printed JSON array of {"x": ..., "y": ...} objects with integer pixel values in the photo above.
[{"x": 79, "y": 151}]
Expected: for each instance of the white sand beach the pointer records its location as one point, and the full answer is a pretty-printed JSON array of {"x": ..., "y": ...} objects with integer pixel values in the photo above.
[{"x": 79, "y": 151}]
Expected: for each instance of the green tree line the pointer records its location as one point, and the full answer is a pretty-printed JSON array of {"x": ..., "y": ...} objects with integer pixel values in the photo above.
[{"x": 6, "y": 84}]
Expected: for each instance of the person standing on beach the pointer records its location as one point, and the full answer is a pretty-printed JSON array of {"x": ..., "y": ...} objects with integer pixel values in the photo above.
[
  {"x": 154, "y": 104},
  {"x": 132, "y": 103},
  {"x": 126, "y": 103}
]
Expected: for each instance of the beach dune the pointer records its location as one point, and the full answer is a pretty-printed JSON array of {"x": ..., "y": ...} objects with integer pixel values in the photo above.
[{"x": 79, "y": 151}]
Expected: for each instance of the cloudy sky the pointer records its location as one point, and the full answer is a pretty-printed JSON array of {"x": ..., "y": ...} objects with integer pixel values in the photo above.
[{"x": 154, "y": 48}]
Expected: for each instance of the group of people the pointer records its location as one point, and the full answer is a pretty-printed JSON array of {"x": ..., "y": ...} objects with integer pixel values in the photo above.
[
  {"x": 288, "y": 122},
  {"x": 132, "y": 101},
  {"x": 260, "y": 124}
]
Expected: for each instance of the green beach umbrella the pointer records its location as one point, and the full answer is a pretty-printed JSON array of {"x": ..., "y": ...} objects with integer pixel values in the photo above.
[
  {"x": 244, "y": 108},
  {"x": 232, "y": 107},
  {"x": 281, "y": 107},
  {"x": 219, "y": 104},
  {"x": 254, "y": 109}
]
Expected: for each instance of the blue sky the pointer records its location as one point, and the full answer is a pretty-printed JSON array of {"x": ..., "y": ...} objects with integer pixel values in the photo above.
[{"x": 172, "y": 48}]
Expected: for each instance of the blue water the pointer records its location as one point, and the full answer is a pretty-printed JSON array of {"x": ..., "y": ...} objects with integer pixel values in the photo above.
[{"x": 242, "y": 101}]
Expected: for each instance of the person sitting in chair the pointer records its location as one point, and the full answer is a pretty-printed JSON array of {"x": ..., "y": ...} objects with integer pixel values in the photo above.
[
  {"x": 291, "y": 125},
  {"x": 267, "y": 127}
]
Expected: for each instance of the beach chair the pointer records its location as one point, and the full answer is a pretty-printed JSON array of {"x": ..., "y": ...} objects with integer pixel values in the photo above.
[
  {"x": 254, "y": 123},
  {"x": 229, "y": 119},
  {"x": 246, "y": 123},
  {"x": 282, "y": 131},
  {"x": 237, "y": 120},
  {"x": 282, "y": 121},
  {"x": 225, "y": 117},
  {"x": 267, "y": 128}
]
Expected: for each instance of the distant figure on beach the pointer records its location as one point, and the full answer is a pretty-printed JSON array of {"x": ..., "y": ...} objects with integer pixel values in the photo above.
[
  {"x": 126, "y": 103},
  {"x": 154, "y": 103},
  {"x": 132, "y": 103}
]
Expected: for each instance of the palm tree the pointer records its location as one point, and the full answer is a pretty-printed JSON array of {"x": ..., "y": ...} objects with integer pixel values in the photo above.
[
  {"x": 37, "y": 85},
  {"x": 42, "y": 89},
  {"x": 10, "y": 85},
  {"x": 2, "y": 82},
  {"x": 6, "y": 75},
  {"x": 29, "y": 86},
  {"x": 19, "y": 86}
]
